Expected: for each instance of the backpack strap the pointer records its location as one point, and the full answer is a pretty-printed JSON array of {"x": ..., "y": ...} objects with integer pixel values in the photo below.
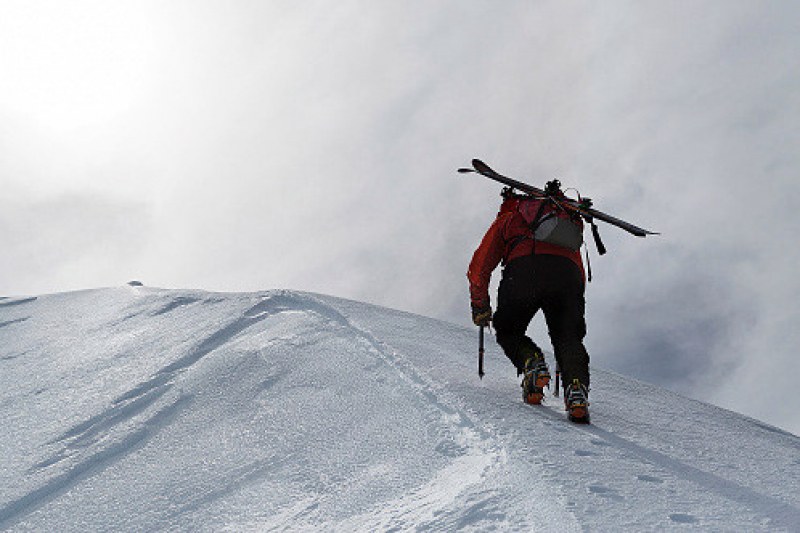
[
  {"x": 588, "y": 263},
  {"x": 601, "y": 249},
  {"x": 538, "y": 218},
  {"x": 533, "y": 225}
]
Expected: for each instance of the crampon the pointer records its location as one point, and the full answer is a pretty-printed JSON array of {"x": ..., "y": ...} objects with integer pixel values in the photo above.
[
  {"x": 576, "y": 402},
  {"x": 537, "y": 377}
]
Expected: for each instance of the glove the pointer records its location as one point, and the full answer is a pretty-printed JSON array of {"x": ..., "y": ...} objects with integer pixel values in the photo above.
[{"x": 481, "y": 316}]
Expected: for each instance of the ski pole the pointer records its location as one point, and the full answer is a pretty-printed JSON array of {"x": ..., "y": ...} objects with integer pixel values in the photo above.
[
  {"x": 480, "y": 353},
  {"x": 558, "y": 379}
]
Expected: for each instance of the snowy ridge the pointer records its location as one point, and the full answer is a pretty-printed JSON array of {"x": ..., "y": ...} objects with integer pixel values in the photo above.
[{"x": 145, "y": 409}]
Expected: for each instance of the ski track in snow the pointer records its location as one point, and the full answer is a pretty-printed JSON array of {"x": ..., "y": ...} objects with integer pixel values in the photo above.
[
  {"x": 775, "y": 513},
  {"x": 498, "y": 464}
]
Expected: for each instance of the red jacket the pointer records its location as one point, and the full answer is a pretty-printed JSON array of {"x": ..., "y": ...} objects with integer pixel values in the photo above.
[{"x": 504, "y": 242}]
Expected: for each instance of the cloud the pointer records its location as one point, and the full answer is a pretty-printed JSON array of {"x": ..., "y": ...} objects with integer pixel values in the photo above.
[
  {"x": 314, "y": 146},
  {"x": 70, "y": 242}
]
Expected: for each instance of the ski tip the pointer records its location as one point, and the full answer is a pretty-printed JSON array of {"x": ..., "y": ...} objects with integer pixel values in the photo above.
[
  {"x": 480, "y": 166},
  {"x": 465, "y": 170}
]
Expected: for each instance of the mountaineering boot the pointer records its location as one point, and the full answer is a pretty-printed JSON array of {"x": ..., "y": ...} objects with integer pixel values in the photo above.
[
  {"x": 576, "y": 401},
  {"x": 537, "y": 377}
]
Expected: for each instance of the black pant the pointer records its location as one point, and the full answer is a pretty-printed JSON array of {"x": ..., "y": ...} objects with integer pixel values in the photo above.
[{"x": 555, "y": 285}]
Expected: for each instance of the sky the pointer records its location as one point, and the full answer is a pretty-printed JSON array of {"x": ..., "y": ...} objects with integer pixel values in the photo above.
[{"x": 312, "y": 145}]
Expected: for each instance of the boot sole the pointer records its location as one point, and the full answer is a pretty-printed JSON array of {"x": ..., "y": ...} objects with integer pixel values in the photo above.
[
  {"x": 534, "y": 398},
  {"x": 579, "y": 414}
]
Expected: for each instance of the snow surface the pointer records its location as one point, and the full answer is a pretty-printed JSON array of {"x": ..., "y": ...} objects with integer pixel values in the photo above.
[{"x": 140, "y": 409}]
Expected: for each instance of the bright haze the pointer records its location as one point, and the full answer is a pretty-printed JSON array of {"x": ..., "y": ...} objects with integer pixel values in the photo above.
[{"x": 313, "y": 145}]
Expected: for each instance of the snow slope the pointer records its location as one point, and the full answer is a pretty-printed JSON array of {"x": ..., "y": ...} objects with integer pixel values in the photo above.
[{"x": 132, "y": 409}]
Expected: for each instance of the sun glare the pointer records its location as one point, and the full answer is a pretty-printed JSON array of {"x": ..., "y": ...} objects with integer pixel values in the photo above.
[{"x": 68, "y": 66}]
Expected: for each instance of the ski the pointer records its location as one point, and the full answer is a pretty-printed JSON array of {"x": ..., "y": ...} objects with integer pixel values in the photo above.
[{"x": 589, "y": 213}]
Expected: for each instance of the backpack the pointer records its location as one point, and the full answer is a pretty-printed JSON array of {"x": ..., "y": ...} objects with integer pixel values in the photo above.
[{"x": 551, "y": 223}]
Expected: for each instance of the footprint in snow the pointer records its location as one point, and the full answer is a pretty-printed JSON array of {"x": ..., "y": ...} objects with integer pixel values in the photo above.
[
  {"x": 649, "y": 479},
  {"x": 584, "y": 453},
  {"x": 605, "y": 492},
  {"x": 449, "y": 448},
  {"x": 683, "y": 518},
  {"x": 556, "y": 427}
]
